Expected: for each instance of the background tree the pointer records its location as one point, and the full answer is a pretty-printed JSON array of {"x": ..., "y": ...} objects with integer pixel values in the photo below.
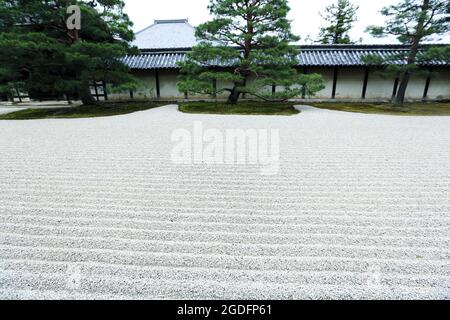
[
  {"x": 39, "y": 54},
  {"x": 252, "y": 39},
  {"x": 413, "y": 22},
  {"x": 340, "y": 18}
]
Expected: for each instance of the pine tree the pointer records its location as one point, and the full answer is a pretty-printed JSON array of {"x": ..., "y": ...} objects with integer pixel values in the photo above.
[
  {"x": 40, "y": 55},
  {"x": 413, "y": 22},
  {"x": 340, "y": 18},
  {"x": 250, "y": 40}
]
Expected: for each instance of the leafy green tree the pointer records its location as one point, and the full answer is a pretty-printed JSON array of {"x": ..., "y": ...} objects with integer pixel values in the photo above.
[
  {"x": 413, "y": 22},
  {"x": 340, "y": 18},
  {"x": 246, "y": 40},
  {"x": 38, "y": 53}
]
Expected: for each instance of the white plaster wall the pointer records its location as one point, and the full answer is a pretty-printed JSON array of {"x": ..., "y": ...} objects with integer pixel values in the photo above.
[
  {"x": 222, "y": 85},
  {"x": 327, "y": 74},
  {"x": 148, "y": 89},
  {"x": 379, "y": 86},
  {"x": 125, "y": 95},
  {"x": 349, "y": 83},
  {"x": 168, "y": 85},
  {"x": 416, "y": 87},
  {"x": 440, "y": 84},
  {"x": 267, "y": 89},
  {"x": 119, "y": 96}
]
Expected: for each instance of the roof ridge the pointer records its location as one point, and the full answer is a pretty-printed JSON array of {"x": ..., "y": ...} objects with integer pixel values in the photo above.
[
  {"x": 172, "y": 21},
  {"x": 363, "y": 46},
  {"x": 166, "y": 21},
  {"x": 384, "y": 47},
  {"x": 145, "y": 29}
]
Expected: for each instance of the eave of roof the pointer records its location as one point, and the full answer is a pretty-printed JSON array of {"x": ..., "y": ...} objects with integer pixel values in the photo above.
[{"x": 309, "y": 55}]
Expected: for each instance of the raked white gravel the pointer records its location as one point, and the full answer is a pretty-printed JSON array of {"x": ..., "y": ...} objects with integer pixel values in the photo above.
[
  {"x": 94, "y": 208},
  {"x": 5, "y": 110}
]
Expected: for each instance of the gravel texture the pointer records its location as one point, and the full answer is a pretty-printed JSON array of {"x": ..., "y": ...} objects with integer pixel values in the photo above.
[
  {"x": 5, "y": 110},
  {"x": 94, "y": 208},
  {"x": 8, "y": 107}
]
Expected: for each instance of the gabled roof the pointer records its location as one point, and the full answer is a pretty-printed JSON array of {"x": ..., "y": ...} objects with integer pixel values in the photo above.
[
  {"x": 166, "y": 34},
  {"x": 315, "y": 55}
]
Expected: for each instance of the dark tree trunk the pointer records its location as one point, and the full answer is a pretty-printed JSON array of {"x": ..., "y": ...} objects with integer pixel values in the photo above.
[
  {"x": 400, "y": 97},
  {"x": 234, "y": 95},
  {"x": 86, "y": 96}
]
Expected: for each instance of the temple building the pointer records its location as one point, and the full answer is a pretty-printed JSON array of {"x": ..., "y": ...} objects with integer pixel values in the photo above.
[{"x": 166, "y": 42}]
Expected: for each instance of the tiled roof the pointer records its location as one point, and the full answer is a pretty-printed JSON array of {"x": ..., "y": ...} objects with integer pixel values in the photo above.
[
  {"x": 166, "y": 34},
  {"x": 157, "y": 60},
  {"x": 316, "y": 55},
  {"x": 348, "y": 55}
]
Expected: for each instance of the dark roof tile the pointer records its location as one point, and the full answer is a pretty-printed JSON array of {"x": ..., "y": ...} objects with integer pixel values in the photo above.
[{"x": 316, "y": 55}]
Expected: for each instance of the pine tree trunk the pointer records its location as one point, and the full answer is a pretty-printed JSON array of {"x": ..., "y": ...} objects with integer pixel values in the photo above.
[
  {"x": 400, "y": 97},
  {"x": 234, "y": 96},
  {"x": 412, "y": 57},
  {"x": 86, "y": 96}
]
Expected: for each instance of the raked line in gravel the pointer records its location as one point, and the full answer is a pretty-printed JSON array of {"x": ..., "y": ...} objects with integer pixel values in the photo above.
[{"x": 94, "y": 208}]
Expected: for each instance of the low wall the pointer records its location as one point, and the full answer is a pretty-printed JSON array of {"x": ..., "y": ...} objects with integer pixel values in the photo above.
[{"x": 348, "y": 86}]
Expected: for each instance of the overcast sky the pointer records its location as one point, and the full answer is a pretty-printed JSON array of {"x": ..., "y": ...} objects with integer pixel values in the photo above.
[{"x": 304, "y": 14}]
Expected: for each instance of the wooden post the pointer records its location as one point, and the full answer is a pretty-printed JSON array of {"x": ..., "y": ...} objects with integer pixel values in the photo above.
[
  {"x": 18, "y": 95},
  {"x": 427, "y": 85},
  {"x": 158, "y": 88},
  {"x": 274, "y": 90},
  {"x": 105, "y": 94},
  {"x": 394, "y": 93},
  {"x": 366, "y": 80},
  {"x": 214, "y": 83},
  {"x": 335, "y": 78},
  {"x": 305, "y": 71},
  {"x": 96, "y": 91},
  {"x": 131, "y": 94}
]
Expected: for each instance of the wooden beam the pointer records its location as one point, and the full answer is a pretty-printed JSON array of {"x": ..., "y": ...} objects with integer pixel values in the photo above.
[
  {"x": 96, "y": 91},
  {"x": 18, "y": 95},
  {"x": 427, "y": 85},
  {"x": 214, "y": 88},
  {"x": 394, "y": 93},
  {"x": 366, "y": 81},
  {"x": 158, "y": 88},
  {"x": 305, "y": 71},
  {"x": 105, "y": 94},
  {"x": 335, "y": 78}
]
